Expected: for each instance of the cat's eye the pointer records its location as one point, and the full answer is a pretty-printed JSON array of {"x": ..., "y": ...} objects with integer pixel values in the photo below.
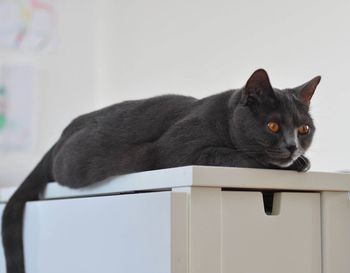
[
  {"x": 304, "y": 129},
  {"x": 273, "y": 126}
]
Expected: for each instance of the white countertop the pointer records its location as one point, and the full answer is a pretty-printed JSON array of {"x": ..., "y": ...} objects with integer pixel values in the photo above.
[{"x": 201, "y": 176}]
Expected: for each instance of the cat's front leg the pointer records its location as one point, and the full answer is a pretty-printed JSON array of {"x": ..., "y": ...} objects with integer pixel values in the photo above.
[{"x": 301, "y": 164}]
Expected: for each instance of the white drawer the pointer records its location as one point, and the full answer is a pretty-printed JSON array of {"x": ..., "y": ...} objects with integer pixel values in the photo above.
[
  {"x": 124, "y": 233},
  {"x": 288, "y": 242}
]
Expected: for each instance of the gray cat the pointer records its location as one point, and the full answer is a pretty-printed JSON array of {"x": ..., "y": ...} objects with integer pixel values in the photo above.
[{"x": 257, "y": 126}]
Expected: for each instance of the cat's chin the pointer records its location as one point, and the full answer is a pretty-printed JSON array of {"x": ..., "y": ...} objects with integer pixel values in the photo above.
[{"x": 283, "y": 163}]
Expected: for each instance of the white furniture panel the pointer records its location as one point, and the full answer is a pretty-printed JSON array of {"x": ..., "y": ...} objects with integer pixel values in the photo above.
[
  {"x": 204, "y": 176},
  {"x": 336, "y": 232},
  {"x": 204, "y": 230},
  {"x": 2, "y": 258},
  {"x": 288, "y": 242},
  {"x": 126, "y": 233}
]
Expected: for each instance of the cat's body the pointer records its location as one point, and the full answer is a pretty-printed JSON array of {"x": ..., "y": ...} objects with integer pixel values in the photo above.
[
  {"x": 228, "y": 129},
  {"x": 120, "y": 140}
]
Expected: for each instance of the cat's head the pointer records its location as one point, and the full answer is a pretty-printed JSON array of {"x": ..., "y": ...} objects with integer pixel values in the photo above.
[{"x": 271, "y": 125}]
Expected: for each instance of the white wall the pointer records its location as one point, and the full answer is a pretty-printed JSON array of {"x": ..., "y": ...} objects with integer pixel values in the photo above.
[
  {"x": 111, "y": 50},
  {"x": 202, "y": 47},
  {"x": 65, "y": 83}
]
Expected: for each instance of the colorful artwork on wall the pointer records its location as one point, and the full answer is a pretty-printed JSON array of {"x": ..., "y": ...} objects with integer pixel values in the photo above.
[
  {"x": 27, "y": 25},
  {"x": 2, "y": 108},
  {"x": 16, "y": 106}
]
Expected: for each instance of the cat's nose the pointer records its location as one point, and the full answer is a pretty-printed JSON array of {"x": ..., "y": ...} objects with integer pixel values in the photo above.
[{"x": 291, "y": 148}]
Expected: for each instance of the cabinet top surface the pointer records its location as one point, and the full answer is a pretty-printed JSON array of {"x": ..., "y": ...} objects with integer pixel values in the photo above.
[{"x": 203, "y": 176}]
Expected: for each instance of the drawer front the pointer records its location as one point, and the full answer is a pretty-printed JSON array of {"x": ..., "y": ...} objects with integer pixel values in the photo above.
[
  {"x": 288, "y": 242},
  {"x": 126, "y": 233}
]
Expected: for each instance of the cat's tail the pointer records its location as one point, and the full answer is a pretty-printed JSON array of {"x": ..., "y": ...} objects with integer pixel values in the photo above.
[{"x": 12, "y": 218}]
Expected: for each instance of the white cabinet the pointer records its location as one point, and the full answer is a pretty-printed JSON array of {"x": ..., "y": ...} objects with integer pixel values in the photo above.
[{"x": 193, "y": 220}]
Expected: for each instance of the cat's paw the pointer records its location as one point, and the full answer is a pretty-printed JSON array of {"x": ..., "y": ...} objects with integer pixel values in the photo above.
[{"x": 301, "y": 164}]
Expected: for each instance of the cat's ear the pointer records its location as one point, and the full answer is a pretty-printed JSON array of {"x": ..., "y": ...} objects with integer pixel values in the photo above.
[
  {"x": 257, "y": 86},
  {"x": 305, "y": 91}
]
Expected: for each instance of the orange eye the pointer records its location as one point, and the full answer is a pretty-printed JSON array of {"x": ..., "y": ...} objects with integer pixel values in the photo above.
[
  {"x": 304, "y": 129},
  {"x": 273, "y": 126}
]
